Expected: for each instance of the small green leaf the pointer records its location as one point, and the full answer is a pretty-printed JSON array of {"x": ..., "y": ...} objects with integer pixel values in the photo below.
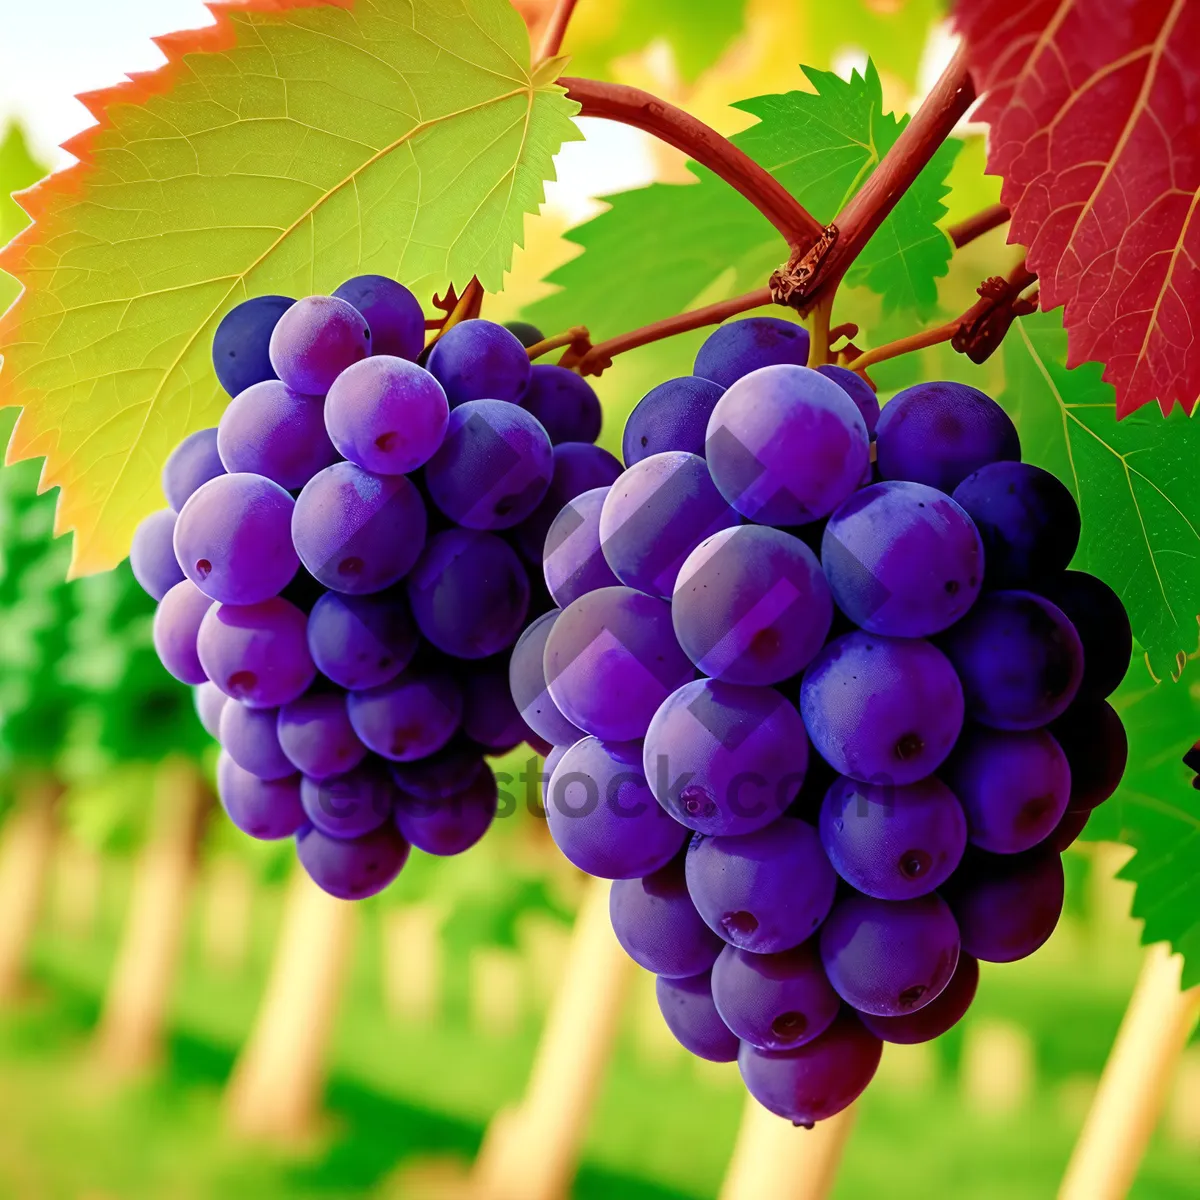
[{"x": 18, "y": 170}]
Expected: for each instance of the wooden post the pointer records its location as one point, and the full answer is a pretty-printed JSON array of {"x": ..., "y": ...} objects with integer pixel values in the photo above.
[
  {"x": 228, "y": 910},
  {"x": 78, "y": 884},
  {"x": 530, "y": 1152},
  {"x": 1135, "y": 1083},
  {"x": 412, "y": 961}
]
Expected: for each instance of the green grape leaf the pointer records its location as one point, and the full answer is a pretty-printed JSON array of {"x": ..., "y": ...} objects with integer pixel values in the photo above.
[
  {"x": 1135, "y": 481},
  {"x": 657, "y": 249},
  {"x": 292, "y": 144},
  {"x": 19, "y": 169}
]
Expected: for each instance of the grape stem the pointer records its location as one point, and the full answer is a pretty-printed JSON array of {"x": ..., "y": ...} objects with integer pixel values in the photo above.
[
  {"x": 978, "y": 224},
  {"x": 577, "y": 335},
  {"x": 556, "y": 29},
  {"x": 457, "y": 308},
  {"x": 819, "y": 333}
]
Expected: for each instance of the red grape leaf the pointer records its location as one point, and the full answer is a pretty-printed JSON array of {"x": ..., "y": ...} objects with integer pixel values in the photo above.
[{"x": 1093, "y": 110}]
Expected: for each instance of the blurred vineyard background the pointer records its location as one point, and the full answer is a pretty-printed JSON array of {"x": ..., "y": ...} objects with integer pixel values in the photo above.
[{"x": 181, "y": 1015}]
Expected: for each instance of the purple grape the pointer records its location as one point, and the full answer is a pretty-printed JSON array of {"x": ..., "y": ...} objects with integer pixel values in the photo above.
[
  {"x": 386, "y": 414},
  {"x": 177, "y": 623},
  {"x": 248, "y": 736},
  {"x": 573, "y": 561},
  {"x": 656, "y": 514},
  {"x": 392, "y": 312},
  {"x": 152, "y": 555},
  {"x": 315, "y": 341},
  {"x": 563, "y": 403},
  {"x": 361, "y": 641},
  {"x": 939, "y": 433},
  {"x": 817, "y": 1080},
  {"x": 610, "y": 660},
  {"x": 1013, "y": 786},
  {"x": 740, "y": 347},
  {"x": 902, "y": 559},
  {"x": 858, "y": 389},
  {"x": 1102, "y": 623},
  {"x": 490, "y": 716},
  {"x": 263, "y": 809},
  {"x": 893, "y": 843},
  {"x": 493, "y": 468},
  {"x": 688, "y": 1009},
  {"x": 358, "y": 532},
  {"x": 441, "y": 774},
  {"x": 527, "y": 680},
  {"x": 1093, "y": 739},
  {"x": 1007, "y": 905},
  {"x": 352, "y": 869},
  {"x": 352, "y": 804},
  {"x": 723, "y": 758},
  {"x": 257, "y": 653},
  {"x": 751, "y": 605},
  {"x": 449, "y": 824},
  {"x": 889, "y": 957},
  {"x": 786, "y": 446},
  {"x": 672, "y": 416},
  {"x": 774, "y": 1001},
  {"x": 882, "y": 710},
  {"x": 410, "y": 717},
  {"x": 658, "y": 925},
  {"x": 1068, "y": 830},
  {"x": 210, "y": 701},
  {"x": 240, "y": 351},
  {"x": 233, "y": 539},
  {"x": 316, "y": 735},
  {"x": 270, "y": 430},
  {"x": 1019, "y": 659},
  {"x": 602, "y": 815},
  {"x": 528, "y": 335},
  {"x": 764, "y": 892},
  {"x": 469, "y": 593},
  {"x": 937, "y": 1016},
  {"x": 191, "y": 464},
  {"x": 479, "y": 360}
]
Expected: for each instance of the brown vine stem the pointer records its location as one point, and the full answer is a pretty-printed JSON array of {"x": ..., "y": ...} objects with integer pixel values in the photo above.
[
  {"x": 632, "y": 106},
  {"x": 553, "y": 37},
  {"x": 577, "y": 335},
  {"x": 820, "y": 335},
  {"x": 978, "y": 224},
  {"x": 466, "y": 307}
]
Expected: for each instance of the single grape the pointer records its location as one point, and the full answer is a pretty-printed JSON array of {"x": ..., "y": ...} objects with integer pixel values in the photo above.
[
  {"x": 1102, "y": 623},
  {"x": 315, "y": 341},
  {"x": 191, "y": 464},
  {"x": 751, "y": 605},
  {"x": 937, "y": 1016},
  {"x": 858, "y": 389},
  {"x": 658, "y": 925},
  {"x": 469, "y": 593},
  {"x": 610, "y": 660},
  {"x": 1068, "y": 830},
  {"x": 411, "y": 717},
  {"x": 602, "y": 815},
  {"x": 361, "y": 641},
  {"x": 358, "y": 532},
  {"x": 902, "y": 559},
  {"x": 736, "y": 349},
  {"x": 152, "y": 555},
  {"x": 386, "y": 414},
  {"x": 490, "y": 716},
  {"x": 257, "y": 653},
  {"x": 262, "y": 808},
  {"x": 688, "y": 1009},
  {"x": 210, "y": 701},
  {"x": 248, "y": 736},
  {"x": 672, "y": 416},
  {"x": 889, "y": 957},
  {"x": 786, "y": 446},
  {"x": 774, "y": 1001},
  {"x": 240, "y": 351},
  {"x": 442, "y": 773},
  {"x": 573, "y": 561},
  {"x": 527, "y": 680},
  {"x": 1007, "y": 905},
  {"x": 817, "y": 1080},
  {"x": 272, "y": 431},
  {"x": 351, "y": 804},
  {"x": 882, "y": 710},
  {"x": 479, "y": 360},
  {"x": 890, "y": 842},
  {"x": 724, "y": 758},
  {"x": 528, "y": 335},
  {"x": 1097, "y": 749},
  {"x": 449, "y": 824},
  {"x": 764, "y": 892},
  {"x": 352, "y": 869},
  {"x": 392, "y": 313},
  {"x": 177, "y": 623},
  {"x": 316, "y": 735},
  {"x": 563, "y": 403},
  {"x": 1019, "y": 659},
  {"x": 232, "y": 539},
  {"x": 939, "y": 433}
]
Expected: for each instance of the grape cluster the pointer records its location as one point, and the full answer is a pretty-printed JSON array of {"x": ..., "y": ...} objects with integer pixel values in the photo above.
[
  {"x": 340, "y": 568},
  {"x": 827, "y": 706}
]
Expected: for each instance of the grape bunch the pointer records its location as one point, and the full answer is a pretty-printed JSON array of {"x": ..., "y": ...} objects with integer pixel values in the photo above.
[
  {"x": 344, "y": 565},
  {"x": 826, "y": 703}
]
